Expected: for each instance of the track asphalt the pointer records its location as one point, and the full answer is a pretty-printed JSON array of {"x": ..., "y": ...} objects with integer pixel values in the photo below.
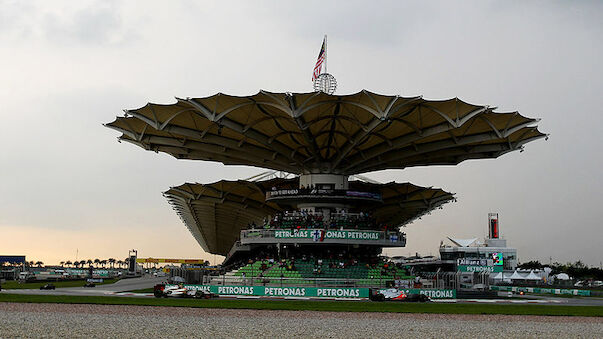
[{"x": 121, "y": 288}]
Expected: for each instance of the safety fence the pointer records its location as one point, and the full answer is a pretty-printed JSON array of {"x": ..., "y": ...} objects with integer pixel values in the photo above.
[
  {"x": 311, "y": 292},
  {"x": 538, "y": 290}
]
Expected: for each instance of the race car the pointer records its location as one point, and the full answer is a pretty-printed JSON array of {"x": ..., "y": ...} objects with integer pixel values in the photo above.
[
  {"x": 47, "y": 287},
  {"x": 393, "y": 294},
  {"x": 161, "y": 290}
]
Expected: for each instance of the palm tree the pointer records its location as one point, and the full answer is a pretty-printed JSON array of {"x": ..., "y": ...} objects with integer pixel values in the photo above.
[
  {"x": 68, "y": 263},
  {"x": 120, "y": 263},
  {"x": 112, "y": 262},
  {"x": 103, "y": 262},
  {"x": 83, "y": 262},
  {"x": 76, "y": 264},
  {"x": 62, "y": 263},
  {"x": 96, "y": 262},
  {"x": 39, "y": 263}
]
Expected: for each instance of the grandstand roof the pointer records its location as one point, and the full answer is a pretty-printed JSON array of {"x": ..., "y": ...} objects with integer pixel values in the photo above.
[
  {"x": 321, "y": 133},
  {"x": 215, "y": 213}
]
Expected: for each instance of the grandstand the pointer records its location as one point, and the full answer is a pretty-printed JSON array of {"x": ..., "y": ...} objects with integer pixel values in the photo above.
[
  {"x": 328, "y": 272},
  {"x": 314, "y": 220}
]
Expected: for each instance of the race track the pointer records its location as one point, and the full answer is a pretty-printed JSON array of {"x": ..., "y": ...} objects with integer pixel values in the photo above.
[{"x": 102, "y": 321}]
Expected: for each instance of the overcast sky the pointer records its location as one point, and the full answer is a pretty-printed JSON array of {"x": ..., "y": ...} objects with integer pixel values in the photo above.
[{"x": 68, "y": 188}]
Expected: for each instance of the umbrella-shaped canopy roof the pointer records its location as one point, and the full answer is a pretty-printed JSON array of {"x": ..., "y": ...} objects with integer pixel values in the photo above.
[
  {"x": 402, "y": 202},
  {"x": 321, "y": 133},
  {"x": 215, "y": 213}
]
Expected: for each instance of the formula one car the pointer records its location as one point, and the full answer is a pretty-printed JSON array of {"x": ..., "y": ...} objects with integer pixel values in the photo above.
[
  {"x": 161, "y": 290},
  {"x": 47, "y": 287},
  {"x": 393, "y": 294}
]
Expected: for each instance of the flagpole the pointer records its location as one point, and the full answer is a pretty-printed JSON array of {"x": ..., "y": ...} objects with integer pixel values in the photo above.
[{"x": 326, "y": 53}]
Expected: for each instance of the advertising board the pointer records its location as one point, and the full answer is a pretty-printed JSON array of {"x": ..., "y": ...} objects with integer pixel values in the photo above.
[
  {"x": 314, "y": 292},
  {"x": 541, "y": 290},
  {"x": 320, "y": 234},
  {"x": 497, "y": 259},
  {"x": 491, "y": 269},
  {"x": 493, "y": 265},
  {"x": 432, "y": 293}
]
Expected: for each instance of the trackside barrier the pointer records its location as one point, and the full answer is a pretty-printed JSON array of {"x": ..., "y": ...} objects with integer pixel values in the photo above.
[
  {"x": 541, "y": 290},
  {"x": 432, "y": 293},
  {"x": 289, "y": 291},
  {"x": 309, "y": 292}
]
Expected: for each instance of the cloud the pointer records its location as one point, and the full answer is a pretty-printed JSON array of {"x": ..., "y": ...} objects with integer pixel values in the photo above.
[
  {"x": 70, "y": 66},
  {"x": 70, "y": 24}
]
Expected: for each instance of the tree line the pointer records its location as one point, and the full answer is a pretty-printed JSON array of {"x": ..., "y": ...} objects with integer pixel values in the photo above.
[
  {"x": 96, "y": 263},
  {"x": 577, "y": 270}
]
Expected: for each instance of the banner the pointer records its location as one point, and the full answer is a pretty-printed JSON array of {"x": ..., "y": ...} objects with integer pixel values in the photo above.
[
  {"x": 491, "y": 269},
  {"x": 497, "y": 259},
  {"x": 432, "y": 293},
  {"x": 102, "y": 273},
  {"x": 312, "y": 292},
  {"x": 540, "y": 290},
  {"x": 320, "y": 234},
  {"x": 474, "y": 262},
  {"x": 320, "y": 191},
  {"x": 172, "y": 261}
]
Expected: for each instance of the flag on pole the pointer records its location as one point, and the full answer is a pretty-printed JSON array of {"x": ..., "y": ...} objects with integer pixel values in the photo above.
[{"x": 321, "y": 58}]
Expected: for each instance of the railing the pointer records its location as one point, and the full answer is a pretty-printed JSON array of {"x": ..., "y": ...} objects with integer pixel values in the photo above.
[
  {"x": 233, "y": 280},
  {"x": 302, "y": 214},
  {"x": 324, "y": 234},
  {"x": 315, "y": 192}
]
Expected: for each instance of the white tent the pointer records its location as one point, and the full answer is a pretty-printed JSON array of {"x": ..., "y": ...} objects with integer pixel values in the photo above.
[
  {"x": 562, "y": 276},
  {"x": 532, "y": 276},
  {"x": 497, "y": 276},
  {"x": 517, "y": 276},
  {"x": 500, "y": 276}
]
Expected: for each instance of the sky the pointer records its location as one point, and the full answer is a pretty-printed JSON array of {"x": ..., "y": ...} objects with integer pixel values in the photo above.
[{"x": 68, "y": 189}]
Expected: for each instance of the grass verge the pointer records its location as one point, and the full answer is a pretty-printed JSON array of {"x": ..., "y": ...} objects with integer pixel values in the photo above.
[
  {"x": 333, "y": 306},
  {"x": 10, "y": 285}
]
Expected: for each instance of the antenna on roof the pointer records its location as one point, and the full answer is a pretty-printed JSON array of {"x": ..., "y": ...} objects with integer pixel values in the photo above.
[{"x": 326, "y": 54}]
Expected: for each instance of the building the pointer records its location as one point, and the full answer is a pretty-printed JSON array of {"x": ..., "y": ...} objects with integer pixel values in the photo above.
[
  {"x": 478, "y": 256},
  {"x": 315, "y": 203},
  {"x": 469, "y": 255}
]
